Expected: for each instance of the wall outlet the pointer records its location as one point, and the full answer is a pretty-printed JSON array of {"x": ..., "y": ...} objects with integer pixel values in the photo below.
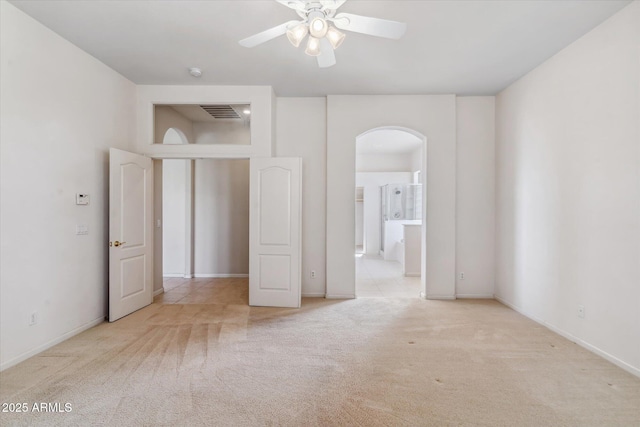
[
  {"x": 313, "y": 274},
  {"x": 33, "y": 319},
  {"x": 461, "y": 275},
  {"x": 581, "y": 311}
]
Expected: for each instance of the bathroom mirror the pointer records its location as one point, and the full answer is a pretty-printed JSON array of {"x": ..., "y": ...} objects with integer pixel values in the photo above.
[{"x": 227, "y": 124}]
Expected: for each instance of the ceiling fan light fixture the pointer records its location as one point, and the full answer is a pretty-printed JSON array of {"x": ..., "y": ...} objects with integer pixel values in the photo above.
[
  {"x": 318, "y": 27},
  {"x": 321, "y": 21},
  {"x": 297, "y": 34},
  {"x": 313, "y": 46},
  {"x": 335, "y": 37}
]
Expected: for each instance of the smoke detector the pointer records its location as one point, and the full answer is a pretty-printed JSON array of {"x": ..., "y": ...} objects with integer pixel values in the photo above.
[{"x": 195, "y": 72}]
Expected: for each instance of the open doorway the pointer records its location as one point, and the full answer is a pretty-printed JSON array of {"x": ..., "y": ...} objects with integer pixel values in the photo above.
[
  {"x": 389, "y": 165},
  {"x": 205, "y": 230},
  {"x": 204, "y": 227}
]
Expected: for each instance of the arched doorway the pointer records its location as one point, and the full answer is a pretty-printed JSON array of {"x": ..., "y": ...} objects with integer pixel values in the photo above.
[{"x": 390, "y": 221}]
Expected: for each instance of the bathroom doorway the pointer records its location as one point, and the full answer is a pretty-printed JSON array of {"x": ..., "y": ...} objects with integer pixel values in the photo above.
[{"x": 389, "y": 205}]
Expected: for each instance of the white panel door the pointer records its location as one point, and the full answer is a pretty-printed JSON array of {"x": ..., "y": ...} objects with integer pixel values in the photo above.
[
  {"x": 275, "y": 232},
  {"x": 130, "y": 233}
]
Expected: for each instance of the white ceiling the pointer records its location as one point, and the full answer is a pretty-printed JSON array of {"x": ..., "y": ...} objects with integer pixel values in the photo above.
[{"x": 461, "y": 47}]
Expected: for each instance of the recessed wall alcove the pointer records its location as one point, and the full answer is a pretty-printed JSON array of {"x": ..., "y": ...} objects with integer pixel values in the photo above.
[{"x": 258, "y": 141}]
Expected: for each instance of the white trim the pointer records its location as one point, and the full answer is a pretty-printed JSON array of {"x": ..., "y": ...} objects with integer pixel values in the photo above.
[
  {"x": 217, "y": 275},
  {"x": 189, "y": 220},
  {"x": 339, "y": 296},
  {"x": 203, "y": 275},
  {"x": 313, "y": 295},
  {"x": 620, "y": 363},
  {"x": 188, "y": 156},
  {"x": 158, "y": 292},
  {"x": 47, "y": 345},
  {"x": 440, "y": 297},
  {"x": 475, "y": 296}
]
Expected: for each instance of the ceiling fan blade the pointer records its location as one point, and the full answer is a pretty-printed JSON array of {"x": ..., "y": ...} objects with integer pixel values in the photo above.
[
  {"x": 332, "y": 4},
  {"x": 267, "y": 35},
  {"x": 327, "y": 56},
  {"x": 293, "y": 4},
  {"x": 371, "y": 26}
]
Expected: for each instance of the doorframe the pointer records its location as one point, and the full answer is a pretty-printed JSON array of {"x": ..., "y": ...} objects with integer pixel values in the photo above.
[
  {"x": 158, "y": 276},
  {"x": 423, "y": 176}
]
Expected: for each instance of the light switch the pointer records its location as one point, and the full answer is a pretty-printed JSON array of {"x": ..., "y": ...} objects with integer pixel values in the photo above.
[
  {"x": 82, "y": 229},
  {"x": 82, "y": 199}
]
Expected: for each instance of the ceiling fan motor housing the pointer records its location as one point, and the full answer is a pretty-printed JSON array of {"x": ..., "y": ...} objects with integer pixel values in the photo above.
[{"x": 314, "y": 9}]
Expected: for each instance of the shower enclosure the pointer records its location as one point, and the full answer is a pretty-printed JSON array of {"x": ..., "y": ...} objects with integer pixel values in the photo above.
[{"x": 399, "y": 202}]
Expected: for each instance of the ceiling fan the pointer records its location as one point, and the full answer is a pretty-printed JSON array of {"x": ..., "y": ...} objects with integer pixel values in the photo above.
[{"x": 317, "y": 17}]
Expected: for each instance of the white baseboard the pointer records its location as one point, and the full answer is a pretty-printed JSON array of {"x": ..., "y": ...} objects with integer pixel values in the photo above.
[
  {"x": 313, "y": 295},
  {"x": 620, "y": 363},
  {"x": 158, "y": 292},
  {"x": 204, "y": 275},
  {"x": 475, "y": 296},
  {"x": 339, "y": 296},
  {"x": 440, "y": 297},
  {"x": 49, "y": 344},
  {"x": 219, "y": 276}
]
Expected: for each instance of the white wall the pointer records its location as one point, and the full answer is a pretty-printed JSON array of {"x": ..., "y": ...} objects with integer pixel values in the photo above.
[
  {"x": 475, "y": 196},
  {"x": 568, "y": 191},
  {"x": 359, "y": 223},
  {"x": 416, "y": 160},
  {"x": 165, "y": 118},
  {"x": 431, "y": 115},
  {"x": 301, "y": 132},
  {"x": 221, "y": 217},
  {"x": 371, "y": 182},
  {"x": 61, "y": 111},
  {"x": 174, "y": 228},
  {"x": 223, "y": 132},
  {"x": 383, "y": 162}
]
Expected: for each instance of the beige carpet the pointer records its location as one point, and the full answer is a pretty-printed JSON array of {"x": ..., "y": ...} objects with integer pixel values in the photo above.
[{"x": 364, "y": 362}]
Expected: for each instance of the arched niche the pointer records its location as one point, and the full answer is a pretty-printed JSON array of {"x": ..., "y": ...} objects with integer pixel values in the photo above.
[{"x": 174, "y": 136}]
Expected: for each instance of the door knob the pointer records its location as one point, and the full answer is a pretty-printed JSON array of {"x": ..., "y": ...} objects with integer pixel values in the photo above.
[{"x": 116, "y": 243}]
